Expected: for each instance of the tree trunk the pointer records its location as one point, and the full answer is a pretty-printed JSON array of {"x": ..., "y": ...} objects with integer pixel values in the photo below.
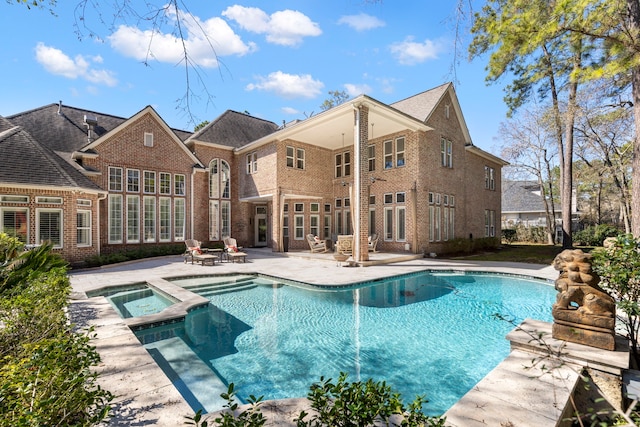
[{"x": 633, "y": 9}]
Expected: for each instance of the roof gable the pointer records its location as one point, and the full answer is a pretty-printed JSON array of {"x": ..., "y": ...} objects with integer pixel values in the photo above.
[
  {"x": 521, "y": 196},
  {"x": 233, "y": 129}
]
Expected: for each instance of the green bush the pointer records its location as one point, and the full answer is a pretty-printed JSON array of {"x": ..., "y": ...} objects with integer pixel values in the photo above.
[
  {"x": 134, "y": 254},
  {"x": 594, "y": 235},
  {"x": 45, "y": 375},
  {"x": 509, "y": 235}
]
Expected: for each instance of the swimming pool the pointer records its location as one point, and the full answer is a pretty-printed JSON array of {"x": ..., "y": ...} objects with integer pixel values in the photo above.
[
  {"x": 432, "y": 334},
  {"x": 135, "y": 300}
]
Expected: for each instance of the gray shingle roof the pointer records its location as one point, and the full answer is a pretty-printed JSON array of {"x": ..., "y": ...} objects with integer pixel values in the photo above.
[
  {"x": 234, "y": 129},
  {"x": 421, "y": 105},
  {"x": 521, "y": 196},
  {"x": 42, "y": 167}
]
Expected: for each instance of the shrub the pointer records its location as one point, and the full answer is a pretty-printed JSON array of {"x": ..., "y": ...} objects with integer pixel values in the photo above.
[
  {"x": 45, "y": 375},
  {"x": 594, "y": 235},
  {"x": 509, "y": 235},
  {"x": 134, "y": 254},
  {"x": 618, "y": 265}
]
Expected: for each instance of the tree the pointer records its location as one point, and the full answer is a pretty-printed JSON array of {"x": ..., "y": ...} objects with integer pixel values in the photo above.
[
  {"x": 531, "y": 149},
  {"x": 337, "y": 97},
  {"x": 542, "y": 57},
  {"x": 200, "y": 126}
]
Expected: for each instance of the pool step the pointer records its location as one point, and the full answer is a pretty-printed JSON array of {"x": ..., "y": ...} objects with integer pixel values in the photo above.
[
  {"x": 226, "y": 290},
  {"x": 206, "y": 290},
  {"x": 230, "y": 282}
]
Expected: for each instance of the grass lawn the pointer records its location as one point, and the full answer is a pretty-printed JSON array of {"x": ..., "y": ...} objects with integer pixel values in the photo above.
[{"x": 516, "y": 252}]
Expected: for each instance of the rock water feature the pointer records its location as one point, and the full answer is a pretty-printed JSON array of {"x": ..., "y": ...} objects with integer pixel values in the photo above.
[{"x": 583, "y": 313}]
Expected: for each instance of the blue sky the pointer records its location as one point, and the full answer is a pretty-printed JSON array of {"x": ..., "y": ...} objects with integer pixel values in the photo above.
[{"x": 275, "y": 60}]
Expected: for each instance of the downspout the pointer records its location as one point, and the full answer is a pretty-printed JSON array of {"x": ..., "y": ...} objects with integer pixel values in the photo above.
[
  {"x": 192, "y": 205},
  {"x": 414, "y": 212},
  {"x": 280, "y": 196},
  {"x": 355, "y": 201},
  {"x": 104, "y": 197}
]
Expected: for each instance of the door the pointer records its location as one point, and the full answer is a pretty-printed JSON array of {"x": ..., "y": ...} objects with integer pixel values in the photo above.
[{"x": 260, "y": 221}]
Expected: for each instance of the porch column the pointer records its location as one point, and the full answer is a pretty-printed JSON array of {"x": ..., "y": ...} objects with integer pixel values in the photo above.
[{"x": 361, "y": 182}]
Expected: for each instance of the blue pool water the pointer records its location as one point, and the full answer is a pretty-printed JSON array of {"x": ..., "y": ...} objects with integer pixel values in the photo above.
[
  {"x": 430, "y": 334},
  {"x": 138, "y": 302}
]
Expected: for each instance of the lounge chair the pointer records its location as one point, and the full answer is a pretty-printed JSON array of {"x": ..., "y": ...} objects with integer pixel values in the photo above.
[
  {"x": 344, "y": 245},
  {"x": 194, "y": 253},
  {"x": 373, "y": 242},
  {"x": 316, "y": 245},
  {"x": 232, "y": 250}
]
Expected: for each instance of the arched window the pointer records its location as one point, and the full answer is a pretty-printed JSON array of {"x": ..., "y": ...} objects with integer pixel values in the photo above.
[{"x": 219, "y": 195}]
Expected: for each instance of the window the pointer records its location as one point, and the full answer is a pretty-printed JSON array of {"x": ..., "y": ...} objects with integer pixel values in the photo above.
[
  {"x": 49, "y": 200},
  {"x": 400, "y": 152},
  {"x": 149, "y": 219},
  {"x": 372, "y": 200},
  {"x": 372, "y": 221},
  {"x": 339, "y": 222},
  {"x": 346, "y": 202},
  {"x": 327, "y": 207},
  {"x": 115, "y": 218},
  {"x": 133, "y": 180},
  {"x": 314, "y": 225},
  {"x": 225, "y": 217},
  {"x": 290, "y": 157},
  {"x": 338, "y": 203},
  {"x": 314, "y": 207},
  {"x": 327, "y": 227},
  {"x": 388, "y": 154},
  {"x": 149, "y": 182},
  {"x": 489, "y": 223},
  {"x": 489, "y": 178},
  {"x": 446, "y": 110},
  {"x": 148, "y": 139},
  {"x": 286, "y": 207},
  {"x": 400, "y": 197},
  {"x": 165, "y": 183},
  {"x": 445, "y": 223},
  {"x": 14, "y": 199},
  {"x": 300, "y": 158},
  {"x": 388, "y": 224},
  {"x": 401, "y": 233},
  {"x": 371, "y": 153},
  {"x": 298, "y": 207},
  {"x": 49, "y": 227},
  {"x": 165, "y": 219},
  {"x": 431, "y": 199},
  {"x": 348, "y": 226},
  {"x": 298, "y": 221},
  {"x": 15, "y": 223},
  {"x": 285, "y": 226},
  {"x": 179, "y": 215},
  {"x": 133, "y": 219},
  {"x": 436, "y": 223},
  {"x": 214, "y": 180},
  {"x": 388, "y": 198},
  {"x": 115, "y": 179},
  {"x": 83, "y": 202},
  {"x": 297, "y": 160},
  {"x": 252, "y": 163},
  {"x": 83, "y": 228},
  {"x": 214, "y": 220},
  {"x": 343, "y": 164},
  {"x": 452, "y": 223},
  {"x": 225, "y": 179},
  {"x": 446, "y": 153},
  {"x": 179, "y": 185}
]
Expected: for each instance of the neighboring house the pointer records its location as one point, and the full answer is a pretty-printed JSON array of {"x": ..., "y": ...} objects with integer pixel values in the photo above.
[
  {"x": 407, "y": 171},
  {"x": 522, "y": 204}
]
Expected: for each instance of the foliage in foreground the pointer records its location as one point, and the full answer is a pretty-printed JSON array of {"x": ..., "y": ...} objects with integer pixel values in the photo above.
[
  {"x": 335, "y": 404},
  {"x": 45, "y": 366},
  {"x": 618, "y": 265}
]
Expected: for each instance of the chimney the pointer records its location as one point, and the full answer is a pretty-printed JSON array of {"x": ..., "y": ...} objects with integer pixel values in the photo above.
[
  {"x": 91, "y": 122},
  {"x": 60, "y": 107}
]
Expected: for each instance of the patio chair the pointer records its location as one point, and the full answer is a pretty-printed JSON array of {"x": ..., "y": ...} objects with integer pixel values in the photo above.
[
  {"x": 232, "y": 251},
  {"x": 316, "y": 245},
  {"x": 344, "y": 244},
  {"x": 193, "y": 252},
  {"x": 373, "y": 242}
]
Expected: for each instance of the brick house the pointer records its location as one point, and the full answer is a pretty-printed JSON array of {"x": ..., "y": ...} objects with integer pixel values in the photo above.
[{"x": 405, "y": 171}]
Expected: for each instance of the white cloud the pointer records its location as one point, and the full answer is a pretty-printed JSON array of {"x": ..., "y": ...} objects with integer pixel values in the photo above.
[
  {"x": 288, "y": 85},
  {"x": 361, "y": 22},
  {"x": 59, "y": 63},
  {"x": 355, "y": 90},
  {"x": 290, "y": 110},
  {"x": 286, "y": 27},
  {"x": 409, "y": 52},
  {"x": 203, "y": 40}
]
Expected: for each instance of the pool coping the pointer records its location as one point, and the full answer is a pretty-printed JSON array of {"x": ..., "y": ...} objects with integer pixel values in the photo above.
[{"x": 145, "y": 395}]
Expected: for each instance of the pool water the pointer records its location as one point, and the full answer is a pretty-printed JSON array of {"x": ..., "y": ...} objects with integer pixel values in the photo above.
[
  {"x": 430, "y": 334},
  {"x": 138, "y": 302}
]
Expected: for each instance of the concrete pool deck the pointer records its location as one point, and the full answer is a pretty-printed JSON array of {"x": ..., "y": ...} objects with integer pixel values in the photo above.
[{"x": 145, "y": 396}]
